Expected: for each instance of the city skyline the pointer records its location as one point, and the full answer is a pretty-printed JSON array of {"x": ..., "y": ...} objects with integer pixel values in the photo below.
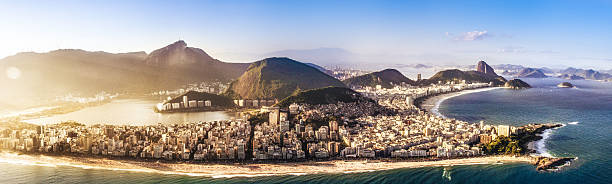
[{"x": 552, "y": 34}]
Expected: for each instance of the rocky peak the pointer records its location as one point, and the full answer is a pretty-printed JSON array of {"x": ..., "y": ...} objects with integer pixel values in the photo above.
[
  {"x": 178, "y": 53},
  {"x": 483, "y": 67}
]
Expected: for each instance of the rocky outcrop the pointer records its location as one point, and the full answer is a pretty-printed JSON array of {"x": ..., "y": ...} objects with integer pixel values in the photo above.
[
  {"x": 548, "y": 163},
  {"x": 517, "y": 84},
  {"x": 565, "y": 85},
  {"x": 483, "y": 67}
]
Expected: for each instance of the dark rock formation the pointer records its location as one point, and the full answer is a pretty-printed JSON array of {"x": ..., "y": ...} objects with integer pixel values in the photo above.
[
  {"x": 516, "y": 84},
  {"x": 547, "y": 163},
  {"x": 483, "y": 67},
  {"x": 565, "y": 85}
]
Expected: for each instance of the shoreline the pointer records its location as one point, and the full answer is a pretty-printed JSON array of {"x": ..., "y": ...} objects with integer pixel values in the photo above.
[
  {"x": 249, "y": 170},
  {"x": 432, "y": 104}
]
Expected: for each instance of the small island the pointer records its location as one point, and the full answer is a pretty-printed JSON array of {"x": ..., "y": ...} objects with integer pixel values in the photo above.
[
  {"x": 517, "y": 84},
  {"x": 565, "y": 85}
]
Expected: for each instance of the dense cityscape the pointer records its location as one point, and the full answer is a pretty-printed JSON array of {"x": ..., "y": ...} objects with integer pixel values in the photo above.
[{"x": 286, "y": 135}]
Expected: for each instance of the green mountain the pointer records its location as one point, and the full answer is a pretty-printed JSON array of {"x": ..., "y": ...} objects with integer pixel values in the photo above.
[
  {"x": 386, "y": 78},
  {"x": 277, "y": 78},
  {"x": 216, "y": 100},
  {"x": 458, "y": 76},
  {"x": 326, "y": 95}
]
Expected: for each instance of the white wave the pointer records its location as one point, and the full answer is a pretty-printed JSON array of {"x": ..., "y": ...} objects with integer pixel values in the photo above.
[
  {"x": 540, "y": 145},
  {"x": 573, "y": 123},
  {"x": 436, "y": 106}
]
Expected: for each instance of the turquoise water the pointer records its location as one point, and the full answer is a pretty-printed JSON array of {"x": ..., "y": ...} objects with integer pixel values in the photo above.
[{"x": 590, "y": 139}]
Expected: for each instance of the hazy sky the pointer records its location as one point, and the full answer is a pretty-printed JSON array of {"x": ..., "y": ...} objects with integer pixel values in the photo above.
[{"x": 534, "y": 33}]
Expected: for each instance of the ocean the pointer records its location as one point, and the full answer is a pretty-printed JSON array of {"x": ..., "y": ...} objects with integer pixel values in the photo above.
[{"x": 585, "y": 110}]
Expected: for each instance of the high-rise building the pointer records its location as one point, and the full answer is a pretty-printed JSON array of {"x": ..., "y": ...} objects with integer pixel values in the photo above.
[
  {"x": 185, "y": 101},
  {"x": 418, "y": 77},
  {"x": 503, "y": 130},
  {"x": 274, "y": 116}
]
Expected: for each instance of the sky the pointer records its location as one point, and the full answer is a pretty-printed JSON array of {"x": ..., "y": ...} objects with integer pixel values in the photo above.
[{"x": 531, "y": 33}]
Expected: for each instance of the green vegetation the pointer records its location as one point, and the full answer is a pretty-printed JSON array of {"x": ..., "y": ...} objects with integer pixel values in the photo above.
[
  {"x": 386, "y": 78},
  {"x": 326, "y": 95},
  {"x": 259, "y": 118},
  {"x": 277, "y": 78},
  {"x": 504, "y": 145}
]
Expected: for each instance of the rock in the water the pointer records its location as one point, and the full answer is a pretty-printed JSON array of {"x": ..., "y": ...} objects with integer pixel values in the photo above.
[
  {"x": 546, "y": 163},
  {"x": 516, "y": 84},
  {"x": 565, "y": 85}
]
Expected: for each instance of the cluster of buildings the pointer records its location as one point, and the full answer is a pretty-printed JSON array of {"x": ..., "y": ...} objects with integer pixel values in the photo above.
[
  {"x": 100, "y": 97},
  {"x": 254, "y": 103},
  {"x": 186, "y": 103},
  {"x": 281, "y": 138},
  {"x": 207, "y": 87},
  {"x": 218, "y": 140}
]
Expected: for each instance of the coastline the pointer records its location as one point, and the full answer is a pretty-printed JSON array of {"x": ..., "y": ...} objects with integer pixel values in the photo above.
[
  {"x": 432, "y": 104},
  {"x": 248, "y": 170}
]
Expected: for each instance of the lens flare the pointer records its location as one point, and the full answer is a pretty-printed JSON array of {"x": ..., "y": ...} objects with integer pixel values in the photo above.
[{"x": 13, "y": 73}]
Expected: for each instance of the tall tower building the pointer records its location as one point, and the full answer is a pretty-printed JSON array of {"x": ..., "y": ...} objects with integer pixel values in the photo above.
[{"x": 186, "y": 101}]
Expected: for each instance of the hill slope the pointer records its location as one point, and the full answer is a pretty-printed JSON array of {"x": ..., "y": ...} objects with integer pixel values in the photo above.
[
  {"x": 483, "y": 67},
  {"x": 386, "y": 78},
  {"x": 457, "y": 76},
  {"x": 47, "y": 75},
  {"x": 278, "y": 78},
  {"x": 327, "y": 95}
]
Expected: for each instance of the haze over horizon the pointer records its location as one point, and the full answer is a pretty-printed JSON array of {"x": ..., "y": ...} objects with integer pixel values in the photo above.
[{"x": 551, "y": 34}]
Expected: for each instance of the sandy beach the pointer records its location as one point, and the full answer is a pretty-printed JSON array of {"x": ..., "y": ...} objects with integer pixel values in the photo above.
[
  {"x": 245, "y": 170},
  {"x": 432, "y": 104}
]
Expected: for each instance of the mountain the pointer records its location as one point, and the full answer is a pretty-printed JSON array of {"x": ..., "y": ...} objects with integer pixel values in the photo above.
[
  {"x": 531, "y": 73},
  {"x": 177, "y": 63},
  {"x": 326, "y": 95},
  {"x": 516, "y": 84},
  {"x": 386, "y": 78},
  {"x": 571, "y": 77},
  {"x": 483, "y": 67},
  {"x": 278, "y": 78},
  {"x": 71, "y": 71},
  {"x": 47, "y": 75},
  {"x": 458, "y": 76},
  {"x": 585, "y": 74}
]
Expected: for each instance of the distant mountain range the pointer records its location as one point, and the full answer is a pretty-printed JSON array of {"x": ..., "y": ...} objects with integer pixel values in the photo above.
[
  {"x": 568, "y": 73},
  {"x": 386, "y": 78},
  {"x": 278, "y": 78},
  {"x": 60, "y": 72},
  {"x": 531, "y": 73}
]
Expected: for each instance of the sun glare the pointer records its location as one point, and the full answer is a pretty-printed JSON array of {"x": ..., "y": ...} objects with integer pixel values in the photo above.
[{"x": 13, "y": 73}]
